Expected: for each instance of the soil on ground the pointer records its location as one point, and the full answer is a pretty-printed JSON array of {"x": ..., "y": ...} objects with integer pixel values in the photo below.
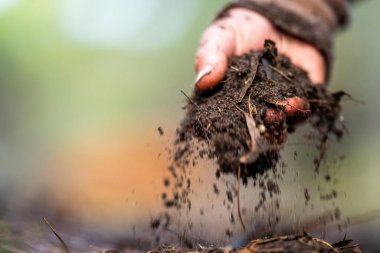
[{"x": 283, "y": 244}]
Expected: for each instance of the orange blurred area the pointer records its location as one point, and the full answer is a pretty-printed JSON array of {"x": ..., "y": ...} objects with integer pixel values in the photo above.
[
  {"x": 115, "y": 174},
  {"x": 112, "y": 178}
]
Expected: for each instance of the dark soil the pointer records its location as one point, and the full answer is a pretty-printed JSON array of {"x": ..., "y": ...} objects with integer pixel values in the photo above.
[{"x": 230, "y": 118}]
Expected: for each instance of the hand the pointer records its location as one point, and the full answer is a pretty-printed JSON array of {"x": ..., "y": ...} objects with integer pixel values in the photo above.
[{"x": 244, "y": 30}]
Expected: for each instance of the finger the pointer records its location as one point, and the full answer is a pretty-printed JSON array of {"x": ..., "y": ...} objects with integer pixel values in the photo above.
[
  {"x": 295, "y": 105},
  {"x": 217, "y": 44},
  {"x": 274, "y": 116},
  {"x": 305, "y": 56},
  {"x": 251, "y": 30},
  {"x": 315, "y": 67}
]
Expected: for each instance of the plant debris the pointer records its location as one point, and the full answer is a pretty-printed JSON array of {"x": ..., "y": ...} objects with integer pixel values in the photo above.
[{"x": 283, "y": 244}]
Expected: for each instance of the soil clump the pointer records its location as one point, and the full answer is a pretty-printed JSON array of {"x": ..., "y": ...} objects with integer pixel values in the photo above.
[{"x": 242, "y": 120}]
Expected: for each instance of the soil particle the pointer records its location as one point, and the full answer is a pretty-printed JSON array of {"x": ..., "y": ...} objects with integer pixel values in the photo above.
[
  {"x": 272, "y": 187},
  {"x": 160, "y": 130},
  {"x": 229, "y": 233},
  {"x": 306, "y": 194},
  {"x": 163, "y": 220},
  {"x": 232, "y": 218},
  {"x": 216, "y": 189},
  {"x": 155, "y": 223},
  {"x": 229, "y": 196},
  {"x": 330, "y": 196}
]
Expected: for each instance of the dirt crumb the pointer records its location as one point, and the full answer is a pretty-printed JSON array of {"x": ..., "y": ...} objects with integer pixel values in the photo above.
[{"x": 160, "y": 130}]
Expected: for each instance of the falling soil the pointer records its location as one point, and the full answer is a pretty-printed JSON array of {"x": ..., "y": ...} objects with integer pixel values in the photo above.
[{"x": 243, "y": 124}]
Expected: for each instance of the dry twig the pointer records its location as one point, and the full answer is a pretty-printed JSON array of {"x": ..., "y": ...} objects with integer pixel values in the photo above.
[
  {"x": 191, "y": 101},
  {"x": 280, "y": 73},
  {"x": 249, "y": 81},
  {"x": 238, "y": 197},
  {"x": 64, "y": 245}
]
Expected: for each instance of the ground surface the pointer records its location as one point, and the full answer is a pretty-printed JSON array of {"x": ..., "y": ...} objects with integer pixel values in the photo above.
[{"x": 284, "y": 244}]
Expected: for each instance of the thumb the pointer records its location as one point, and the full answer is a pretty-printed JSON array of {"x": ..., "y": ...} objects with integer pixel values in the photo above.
[
  {"x": 210, "y": 69},
  {"x": 306, "y": 56},
  {"x": 217, "y": 44}
]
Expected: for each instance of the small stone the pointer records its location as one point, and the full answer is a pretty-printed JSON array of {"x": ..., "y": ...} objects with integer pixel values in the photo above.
[{"x": 262, "y": 128}]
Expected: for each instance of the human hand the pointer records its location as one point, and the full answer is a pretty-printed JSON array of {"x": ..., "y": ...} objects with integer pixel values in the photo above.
[{"x": 244, "y": 30}]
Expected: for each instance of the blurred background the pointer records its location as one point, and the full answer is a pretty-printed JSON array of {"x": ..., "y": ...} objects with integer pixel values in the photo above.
[{"x": 84, "y": 85}]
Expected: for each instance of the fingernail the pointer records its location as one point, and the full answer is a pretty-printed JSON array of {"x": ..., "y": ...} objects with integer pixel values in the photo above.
[{"x": 204, "y": 72}]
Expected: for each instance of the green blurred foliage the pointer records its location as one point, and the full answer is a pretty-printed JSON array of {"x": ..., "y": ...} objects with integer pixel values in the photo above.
[{"x": 52, "y": 84}]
